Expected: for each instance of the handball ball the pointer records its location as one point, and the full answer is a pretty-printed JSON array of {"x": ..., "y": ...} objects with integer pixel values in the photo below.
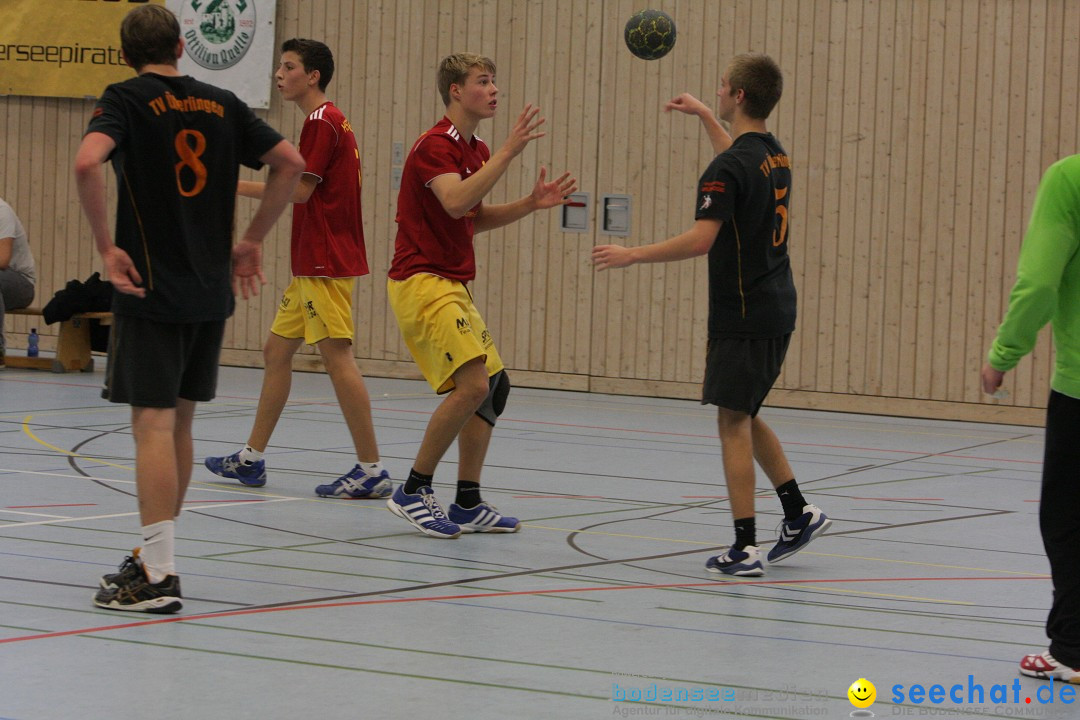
[{"x": 650, "y": 34}]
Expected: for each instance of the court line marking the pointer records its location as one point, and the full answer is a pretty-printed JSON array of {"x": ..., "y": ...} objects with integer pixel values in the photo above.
[
  {"x": 240, "y": 503},
  {"x": 489, "y": 595}
]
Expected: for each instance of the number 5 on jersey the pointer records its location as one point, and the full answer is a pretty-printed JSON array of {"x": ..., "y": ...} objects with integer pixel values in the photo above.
[{"x": 781, "y": 210}]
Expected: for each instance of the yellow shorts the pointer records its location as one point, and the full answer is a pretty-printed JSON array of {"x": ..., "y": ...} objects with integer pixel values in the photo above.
[
  {"x": 441, "y": 326},
  {"x": 316, "y": 308}
]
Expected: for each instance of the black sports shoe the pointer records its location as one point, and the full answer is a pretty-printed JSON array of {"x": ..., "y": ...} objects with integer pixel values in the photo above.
[
  {"x": 135, "y": 593},
  {"x": 130, "y": 568}
]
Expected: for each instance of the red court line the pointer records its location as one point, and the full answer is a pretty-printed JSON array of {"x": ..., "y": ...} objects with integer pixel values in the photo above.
[
  {"x": 893, "y": 499},
  {"x": 713, "y": 437},
  {"x": 490, "y": 595},
  {"x": 206, "y": 502},
  {"x": 23, "y": 507},
  {"x": 559, "y": 497}
]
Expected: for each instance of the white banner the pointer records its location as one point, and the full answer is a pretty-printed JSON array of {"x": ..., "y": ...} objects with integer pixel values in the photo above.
[{"x": 229, "y": 43}]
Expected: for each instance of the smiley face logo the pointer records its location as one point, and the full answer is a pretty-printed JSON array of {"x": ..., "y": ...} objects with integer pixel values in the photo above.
[{"x": 862, "y": 693}]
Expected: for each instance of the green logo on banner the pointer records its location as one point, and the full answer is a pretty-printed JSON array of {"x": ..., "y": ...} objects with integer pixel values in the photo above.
[{"x": 217, "y": 33}]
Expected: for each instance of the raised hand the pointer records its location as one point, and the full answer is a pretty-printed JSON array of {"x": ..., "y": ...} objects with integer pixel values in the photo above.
[
  {"x": 556, "y": 192},
  {"x": 122, "y": 273},
  {"x": 686, "y": 103},
  {"x": 247, "y": 274},
  {"x": 524, "y": 130}
]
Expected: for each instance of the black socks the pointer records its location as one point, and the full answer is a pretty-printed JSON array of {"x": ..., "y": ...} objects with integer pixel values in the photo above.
[
  {"x": 791, "y": 499},
  {"x": 416, "y": 481},
  {"x": 745, "y": 533},
  {"x": 468, "y": 494}
]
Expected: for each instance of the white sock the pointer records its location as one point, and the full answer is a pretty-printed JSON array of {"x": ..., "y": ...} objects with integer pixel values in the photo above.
[
  {"x": 373, "y": 469},
  {"x": 250, "y": 455},
  {"x": 157, "y": 553}
]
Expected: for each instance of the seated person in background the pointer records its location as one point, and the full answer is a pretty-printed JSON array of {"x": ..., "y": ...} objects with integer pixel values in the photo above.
[{"x": 16, "y": 267}]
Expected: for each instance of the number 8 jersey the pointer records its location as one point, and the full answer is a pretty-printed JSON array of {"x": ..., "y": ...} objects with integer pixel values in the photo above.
[{"x": 179, "y": 145}]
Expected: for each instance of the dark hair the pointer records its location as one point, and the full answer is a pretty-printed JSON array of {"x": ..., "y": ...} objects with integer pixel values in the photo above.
[
  {"x": 760, "y": 78},
  {"x": 315, "y": 56},
  {"x": 149, "y": 35}
]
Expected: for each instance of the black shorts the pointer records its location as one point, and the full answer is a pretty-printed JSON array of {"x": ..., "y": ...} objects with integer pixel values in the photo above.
[
  {"x": 152, "y": 363},
  {"x": 740, "y": 372}
]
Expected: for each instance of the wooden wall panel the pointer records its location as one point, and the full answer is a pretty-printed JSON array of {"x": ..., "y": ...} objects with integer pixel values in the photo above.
[{"x": 918, "y": 130}]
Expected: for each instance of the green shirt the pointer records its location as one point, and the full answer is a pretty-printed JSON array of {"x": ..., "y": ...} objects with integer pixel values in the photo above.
[{"x": 1048, "y": 281}]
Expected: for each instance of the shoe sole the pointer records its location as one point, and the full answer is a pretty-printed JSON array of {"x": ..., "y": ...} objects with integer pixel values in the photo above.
[
  {"x": 485, "y": 529},
  {"x": 345, "y": 496},
  {"x": 396, "y": 509},
  {"x": 157, "y": 606},
  {"x": 813, "y": 535},
  {"x": 1050, "y": 676},
  {"x": 751, "y": 572}
]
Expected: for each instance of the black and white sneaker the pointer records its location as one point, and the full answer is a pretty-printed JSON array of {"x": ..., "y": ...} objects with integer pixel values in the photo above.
[
  {"x": 133, "y": 592},
  {"x": 797, "y": 534},
  {"x": 129, "y": 569}
]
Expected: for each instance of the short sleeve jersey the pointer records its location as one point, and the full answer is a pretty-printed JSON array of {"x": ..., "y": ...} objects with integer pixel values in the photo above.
[
  {"x": 748, "y": 187},
  {"x": 22, "y": 260},
  {"x": 428, "y": 239},
  {"x": 179, "y": 144},
  {"x": 328, "y": 230}
]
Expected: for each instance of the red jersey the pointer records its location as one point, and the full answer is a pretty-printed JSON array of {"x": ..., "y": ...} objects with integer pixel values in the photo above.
[
  {"x": 428, "y": 239},
  {"x": 327, "y": 230}
]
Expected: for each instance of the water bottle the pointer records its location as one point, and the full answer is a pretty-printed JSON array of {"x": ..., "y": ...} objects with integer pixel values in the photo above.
[{"x": 32, "y": 344}]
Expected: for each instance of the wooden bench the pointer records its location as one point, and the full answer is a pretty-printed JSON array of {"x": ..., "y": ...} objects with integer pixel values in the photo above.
[{"x": 72, "y": 345}]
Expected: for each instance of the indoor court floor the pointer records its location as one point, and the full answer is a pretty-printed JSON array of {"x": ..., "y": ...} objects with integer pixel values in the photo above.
[{"x": 932, "y": 573}]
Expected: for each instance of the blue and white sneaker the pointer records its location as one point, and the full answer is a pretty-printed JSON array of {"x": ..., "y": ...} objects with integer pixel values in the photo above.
[
  {"x": 745, "y": 562},
  {"x": 230, "y": 466},
  {"x": 797, "y": 534},
  {"x": 423, "y": 511},
  {"x": 482, "y": 518},
  {"x": 357, "y": 484}
]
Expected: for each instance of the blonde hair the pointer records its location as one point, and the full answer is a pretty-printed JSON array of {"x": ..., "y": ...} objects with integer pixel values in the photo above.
[
  {"x": 453, "y": 69},
  {"x": 760, "y": 78}
]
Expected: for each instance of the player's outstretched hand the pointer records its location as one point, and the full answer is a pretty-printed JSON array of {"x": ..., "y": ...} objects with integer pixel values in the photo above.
[
  {"x": 550, "y": 194},
  {"x": 611, "y": 256},
  {"x": 686, "y": 103},
  {"x": 524, "y": 130},
  {"x": 247, "y": 268},
  {"x": 122, "y": 273}
]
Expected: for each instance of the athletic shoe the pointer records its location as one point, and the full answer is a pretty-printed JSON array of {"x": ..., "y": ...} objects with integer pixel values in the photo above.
[
  {"x": 1044, "y": 666},
  {"x": 230, "y": 466},
  {"x": 135, "y": 593},
  {"x": 743, "y": 562},
  {"x": 482, "y": 518},
  {"x": 358, "y": 484},
  {"x": 797, "y": 534},
  {"x": 130, "y": 568},
  {"x": 423, "y": 511}
]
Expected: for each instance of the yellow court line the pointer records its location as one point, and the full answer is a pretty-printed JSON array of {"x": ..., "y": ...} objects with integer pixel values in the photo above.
[
  {"x": 804, "y": 552},
  {"x": 203, "y": 484},
  {"x": 622, "y": 535},
  {"x": 826, "y": 425},
  {"x": 922, "y": 564},
  {"x": 68, "y": 453},
  {"x": 88, "y": 411},
  {"x": 888, "y": 595}
]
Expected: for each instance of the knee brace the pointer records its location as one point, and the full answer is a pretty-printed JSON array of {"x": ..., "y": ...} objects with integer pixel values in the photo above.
[{"x": 495, "y": 402}]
